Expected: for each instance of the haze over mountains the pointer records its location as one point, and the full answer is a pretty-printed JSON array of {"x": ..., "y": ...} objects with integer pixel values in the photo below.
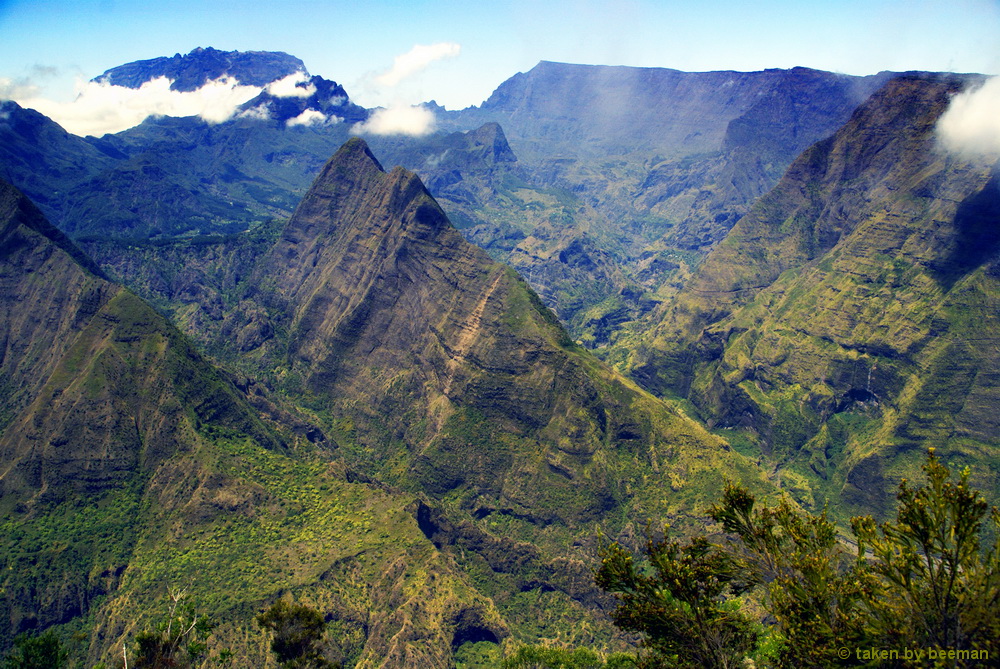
[{"x": 371, "y": 389}]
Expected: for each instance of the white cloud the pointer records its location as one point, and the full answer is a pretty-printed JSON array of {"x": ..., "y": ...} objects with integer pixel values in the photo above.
[
  {"x": 312, "y": 117},
  {"x": 288, "y": 87},
  {"x": 398, "y": 120},
  {"x": 971, "y": 124},
  {"x": 101, "y": 108},
  {"x": 27, "y": 86},
  {"x": 14, "y": 89},
  {"x": 415, "y": 60},
  {"x": 259, "y": 113}
]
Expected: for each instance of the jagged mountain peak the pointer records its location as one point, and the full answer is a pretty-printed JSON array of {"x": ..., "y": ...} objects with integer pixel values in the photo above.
[
  {"x": 352, "y": 164},
  {"x": 354, "y": 197},
  {"x": 355, "y": 146}
]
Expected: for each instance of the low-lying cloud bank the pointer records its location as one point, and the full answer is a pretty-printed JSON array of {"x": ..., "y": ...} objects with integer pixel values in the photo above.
[
  {"x": 312, "y": 117},
  {"x": 296, "y": 85},
  {"x": 100, "y": 107},
  {"x": 971, "y": 125},
  {"x": 398, "y": 120}
]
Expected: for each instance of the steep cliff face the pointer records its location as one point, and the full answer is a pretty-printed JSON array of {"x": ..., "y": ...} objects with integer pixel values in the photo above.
[
  {"x": 836, "y": 320},
  {"x": 36, "y": 255},
  {"x": 785, "y": 113}
]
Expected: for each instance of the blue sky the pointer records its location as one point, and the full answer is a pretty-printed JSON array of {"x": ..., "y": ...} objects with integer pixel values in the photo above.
[{"x": 48, "y": 43}]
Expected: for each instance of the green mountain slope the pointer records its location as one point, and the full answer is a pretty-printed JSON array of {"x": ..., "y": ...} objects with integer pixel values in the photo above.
[
  {"x": 846, "y": 322},
  {"x": 130, "y": 466},
  {"x": 98, "y": 392}
]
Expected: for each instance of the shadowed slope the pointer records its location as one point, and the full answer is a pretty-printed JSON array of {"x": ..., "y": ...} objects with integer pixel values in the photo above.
[{"x": 68, "y": 334}]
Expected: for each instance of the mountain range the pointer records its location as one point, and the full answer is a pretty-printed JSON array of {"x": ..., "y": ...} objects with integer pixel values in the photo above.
[{"x": 237, "y": 366}]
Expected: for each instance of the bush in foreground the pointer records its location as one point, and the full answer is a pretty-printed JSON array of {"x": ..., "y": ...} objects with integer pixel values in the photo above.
[{"x": 923, "y": 581}]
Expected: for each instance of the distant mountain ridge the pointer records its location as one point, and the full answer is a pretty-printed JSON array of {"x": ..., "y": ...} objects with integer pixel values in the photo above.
[
  {"x": 653, "y": 109},
  {"x": 624, "y": 177},
  {"x": 685, "y": 154},
  {"x": 667, "y": 161},
  {"x": 193, "y": 70}
]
